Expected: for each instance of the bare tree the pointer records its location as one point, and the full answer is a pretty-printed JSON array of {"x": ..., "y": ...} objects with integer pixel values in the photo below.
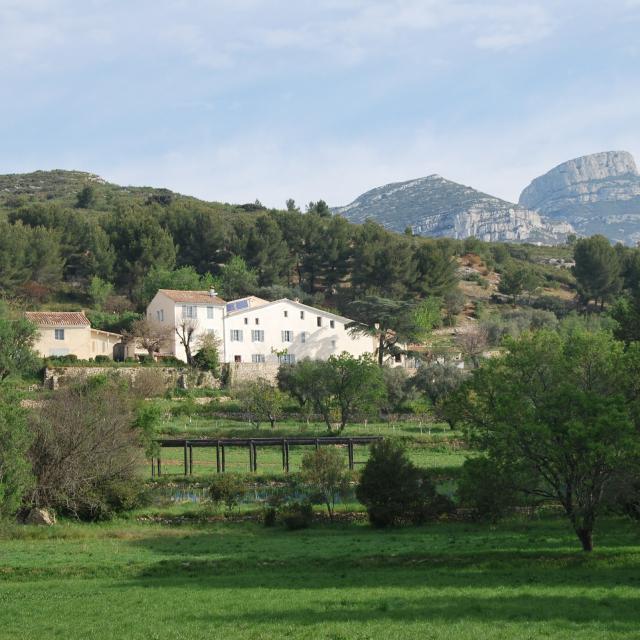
[
  {"x": 150, "y": 335},
  {"x": 186, "y": 331},
  {"x": 473, "y": 342}
]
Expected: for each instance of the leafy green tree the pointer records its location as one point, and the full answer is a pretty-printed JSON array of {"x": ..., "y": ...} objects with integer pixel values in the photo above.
[
  {"x": 15, "y": 472},
  {"x": 182, "y": 279},
  {"x": 383, "y": 263},
  {"x": 597, "y": 269},
  {"x": 140, "y": 243},
  {"x": 436, "y": 269},
  {"x": 559, "y": 414},
  {"x": 99, "y": 291},
  {"x": 454, "y": 304},
  {"x": 236, "y": 279},
  {"x": 208, "y": 356},
  {"x": 392, "y": 323},
  {"x": 325, "y": 470},
  {"x": 516, "y": 280},
  {"x": 266, "y": 252},
  {"x": 357, "y": 386},
  {"x": 17, "y": 338},
  {"x": 260, "y": 401},
  {"x": 86, "y": 197}
]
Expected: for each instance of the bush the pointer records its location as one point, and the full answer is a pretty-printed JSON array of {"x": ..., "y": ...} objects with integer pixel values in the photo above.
[
  {"x": 86, "y": 450},
  {"x": 227, "y": 489},
  {"x": 326, "y": 472},
  {"x": 395, "y": 491},
  {"x": 100, "y": 359},
  {"x": 297, "y": 515},
  {"x": 15, "y": 474},
  {"x": 486, "y": 489},
  {"x": 149, "y": 383}
]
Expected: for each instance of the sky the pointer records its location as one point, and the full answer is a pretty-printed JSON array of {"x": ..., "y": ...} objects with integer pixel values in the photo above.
[{"x": 238, "y": 100}]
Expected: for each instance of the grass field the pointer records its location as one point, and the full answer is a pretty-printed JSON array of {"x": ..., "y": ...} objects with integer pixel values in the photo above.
[
  {"x": 524, "y": 579},
  {"x": 429, "y": 445}
]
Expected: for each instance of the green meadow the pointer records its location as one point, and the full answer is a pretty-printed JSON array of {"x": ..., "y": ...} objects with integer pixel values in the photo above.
[{"x": 239, "y": 580}]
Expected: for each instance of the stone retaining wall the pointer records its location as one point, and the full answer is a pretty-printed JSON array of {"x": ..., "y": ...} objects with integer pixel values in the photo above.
[{"x": 54, "y": 377}]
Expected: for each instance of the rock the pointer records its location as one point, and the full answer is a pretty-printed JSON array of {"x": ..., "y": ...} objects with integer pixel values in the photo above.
[
  {"x": 434, "y": 206},
  {"x": 40, "y": 517},
  {"x": 598, "y": 193}
]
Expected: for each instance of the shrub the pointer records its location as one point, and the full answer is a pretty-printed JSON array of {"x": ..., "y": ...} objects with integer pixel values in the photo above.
[
  {"x": 394, "y": 490},
  {"x": 326, "y": 472},
  {"x": 208, "y": 356},
  {"x": 86, "y": 449},
  {"x": 297, "y": 515},
  {"x": 486, "y": 489},
  {"x": 15, "y": 474},
  {"x": 227, "y": 489},
  {"x": 149, "y": 383}
]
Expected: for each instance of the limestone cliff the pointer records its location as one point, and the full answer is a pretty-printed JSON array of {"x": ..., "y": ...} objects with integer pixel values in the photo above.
[
  {"x": 598, "y": 193},
  {"x": 433, "y": 206}
]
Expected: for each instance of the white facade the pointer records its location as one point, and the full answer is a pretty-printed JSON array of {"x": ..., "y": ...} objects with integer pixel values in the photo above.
[
  {"x": 288, "y": 331},
  {"x": 251, "y": 330},
  {"x": 201, "y": 310}
]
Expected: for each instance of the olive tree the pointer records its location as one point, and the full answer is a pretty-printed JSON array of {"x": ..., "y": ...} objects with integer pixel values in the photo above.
[{"x": 559, "y": 414}]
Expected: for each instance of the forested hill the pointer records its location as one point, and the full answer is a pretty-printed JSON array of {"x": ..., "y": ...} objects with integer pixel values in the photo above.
[{"x": 64, "y": 232}]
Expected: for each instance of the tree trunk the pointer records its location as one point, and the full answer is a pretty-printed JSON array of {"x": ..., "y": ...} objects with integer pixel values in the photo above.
[
  {"x": 586, "y": 538},
  {"x": 380, "y": 350}
]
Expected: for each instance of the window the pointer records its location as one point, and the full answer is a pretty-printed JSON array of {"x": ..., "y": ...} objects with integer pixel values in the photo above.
[
  {"x": 398, "y": 357},
  {"x": 286, "y": 313},
  {"x": 332, "y": 324},
  {"x": 237, "y": 358},
  {"x": 257, "y": 320},
  {"x": 246, "y": 320},
  {"x": 303, "y": 336},
  {"x": 302, "y": 315},
  {"x": 257, "y": 358},
  {"x": 236, "y": 335},
  {"x": 319, "y": 321},
  {"x": 59, "y": 334},
  {"x": 189, "y": 311},
  {"x": 287, "y": 336},
  {"x": 333, "y": 344},
  {"x": 160, "y": 315},
  {"x": 209, "y": 313},
  {"x": 257, "y": 335},
  {"x": 287, "y": 358}
]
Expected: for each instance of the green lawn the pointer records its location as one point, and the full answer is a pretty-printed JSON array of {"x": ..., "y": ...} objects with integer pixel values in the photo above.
[{"x": 524, "y": 579}]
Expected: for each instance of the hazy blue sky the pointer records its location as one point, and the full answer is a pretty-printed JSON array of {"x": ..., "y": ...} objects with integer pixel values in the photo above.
[{"x": 240, "y": 99}]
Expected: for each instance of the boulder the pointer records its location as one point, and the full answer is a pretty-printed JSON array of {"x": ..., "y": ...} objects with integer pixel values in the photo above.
[{"x": 42, "y": 517}]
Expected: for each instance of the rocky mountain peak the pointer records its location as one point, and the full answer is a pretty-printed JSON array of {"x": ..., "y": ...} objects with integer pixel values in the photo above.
[
  {"x": 599, "y": 193},
  {"x": 570, "y": 175}
]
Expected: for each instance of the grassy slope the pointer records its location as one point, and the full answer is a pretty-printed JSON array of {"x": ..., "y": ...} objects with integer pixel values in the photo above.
[{"x": 123, "y": 580}]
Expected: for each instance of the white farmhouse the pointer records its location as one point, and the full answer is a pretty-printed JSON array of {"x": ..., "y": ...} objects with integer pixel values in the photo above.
[
  {"x": 199, "y": 311},
  {"x": 252, "y": 330},
  {"x": 286, "y": 331}
]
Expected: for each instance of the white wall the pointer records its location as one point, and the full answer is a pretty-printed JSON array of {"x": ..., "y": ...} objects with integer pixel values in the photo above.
[
  {"x": 321, "y": 342},
  {"x": 166, "y": 312}
]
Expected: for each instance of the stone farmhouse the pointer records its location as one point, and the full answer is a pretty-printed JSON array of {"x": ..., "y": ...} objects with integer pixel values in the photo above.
[
  {"x": 254, "y": 331},
  {"x": 63, "y": 333}
]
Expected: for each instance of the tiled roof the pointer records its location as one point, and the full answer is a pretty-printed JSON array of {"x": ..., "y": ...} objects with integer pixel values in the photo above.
[
  {"x": 196, "y": 297},
  {"x": 58, "y": 318}
]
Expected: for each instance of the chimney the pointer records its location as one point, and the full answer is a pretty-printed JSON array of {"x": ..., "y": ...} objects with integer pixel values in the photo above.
[{"x": 212, "y": 292}]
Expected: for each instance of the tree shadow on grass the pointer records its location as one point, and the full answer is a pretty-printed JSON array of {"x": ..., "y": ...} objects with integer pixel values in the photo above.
[{"x": 421, "y": 575}]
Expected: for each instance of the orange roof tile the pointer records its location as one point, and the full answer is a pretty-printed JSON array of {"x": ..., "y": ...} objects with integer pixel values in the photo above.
[
  {"x": 197, "y": 297},
  {"x": 58, "y": 318}
]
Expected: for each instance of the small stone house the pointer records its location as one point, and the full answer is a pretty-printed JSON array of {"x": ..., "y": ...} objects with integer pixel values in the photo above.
[{"x": 63, "y": 333}]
